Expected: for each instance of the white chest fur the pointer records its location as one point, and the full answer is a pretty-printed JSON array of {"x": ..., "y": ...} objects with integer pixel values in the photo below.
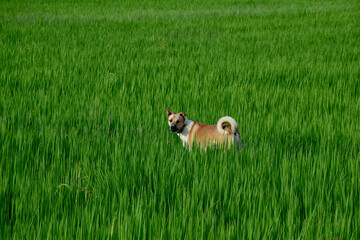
[{"x": 184, "y": 135}]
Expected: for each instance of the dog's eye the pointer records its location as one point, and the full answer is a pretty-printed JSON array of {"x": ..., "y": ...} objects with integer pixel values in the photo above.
[
  {"x": 177, "y": 121},
  {"x": 170, "y": 120}
]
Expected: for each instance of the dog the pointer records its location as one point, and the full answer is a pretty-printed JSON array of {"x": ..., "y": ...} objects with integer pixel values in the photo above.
[{"x": 191, "y": 132}]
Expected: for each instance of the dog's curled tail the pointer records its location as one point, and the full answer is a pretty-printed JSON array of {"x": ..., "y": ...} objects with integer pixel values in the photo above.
[{"x": 234, "y": 127}]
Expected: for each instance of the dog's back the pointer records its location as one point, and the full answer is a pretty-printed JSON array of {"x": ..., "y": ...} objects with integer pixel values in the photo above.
[{"x": 206, "y": 135}]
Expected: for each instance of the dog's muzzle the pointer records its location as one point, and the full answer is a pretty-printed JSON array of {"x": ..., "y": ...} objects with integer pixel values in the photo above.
[{"x": 173, "y": 129}]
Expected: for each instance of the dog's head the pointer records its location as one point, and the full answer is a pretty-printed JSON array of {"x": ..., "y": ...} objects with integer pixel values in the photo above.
[{"x": 176, "y": 120}]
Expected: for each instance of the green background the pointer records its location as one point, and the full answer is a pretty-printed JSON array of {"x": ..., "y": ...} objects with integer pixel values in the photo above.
[{"x": 85, "y": 149}]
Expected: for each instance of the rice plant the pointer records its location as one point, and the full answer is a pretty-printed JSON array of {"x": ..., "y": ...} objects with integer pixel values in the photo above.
[{"x": 85, "y": 147}]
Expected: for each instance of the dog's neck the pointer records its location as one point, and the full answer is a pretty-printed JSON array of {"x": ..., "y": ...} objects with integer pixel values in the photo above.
[{"x": 185, "y": 131}]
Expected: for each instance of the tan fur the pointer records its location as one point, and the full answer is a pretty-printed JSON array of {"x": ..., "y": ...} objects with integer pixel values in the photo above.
[
  {"x": 202, "y": 134},
  {"x": 206, "y": 135}
]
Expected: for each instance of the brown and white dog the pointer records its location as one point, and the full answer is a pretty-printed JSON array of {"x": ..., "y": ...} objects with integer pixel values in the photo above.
[{"x": 202, "y": 134}]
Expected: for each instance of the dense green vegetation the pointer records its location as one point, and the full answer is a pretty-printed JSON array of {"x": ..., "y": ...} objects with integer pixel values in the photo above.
[{"x": 85, "y": 149}]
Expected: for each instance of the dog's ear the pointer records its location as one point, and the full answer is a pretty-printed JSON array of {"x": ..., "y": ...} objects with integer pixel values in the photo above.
[
  {"x": 169, "y": 112},
  {"x": 183, "y": 114}
]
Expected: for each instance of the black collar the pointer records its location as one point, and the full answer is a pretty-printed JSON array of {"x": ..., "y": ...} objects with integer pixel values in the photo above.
[{"x": 182, "y": 129}]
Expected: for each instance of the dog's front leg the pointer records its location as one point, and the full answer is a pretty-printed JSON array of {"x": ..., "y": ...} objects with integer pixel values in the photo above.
[{"x": 186, "y": 145}]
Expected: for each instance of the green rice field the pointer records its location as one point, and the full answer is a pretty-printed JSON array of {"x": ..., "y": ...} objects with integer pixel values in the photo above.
[{"x": 86, "y": 151}]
